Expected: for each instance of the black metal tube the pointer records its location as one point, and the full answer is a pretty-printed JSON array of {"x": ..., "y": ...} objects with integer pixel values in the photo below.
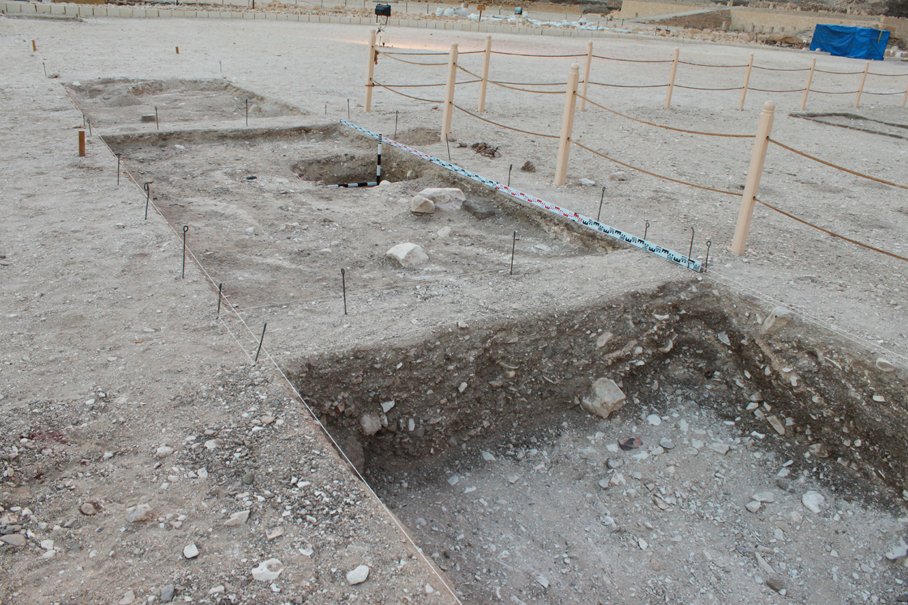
[
  {"x": 183, "y": 272},
  {"x": 513, "y": 248},
  {"x": 601, "y": 199},
  {"x": 147, "y": 188},
  {"x": 261, "y": 340},
  {"x": 344, "y": 289},
  {"x": 218, "y": 315},
  {"x": 706, "y": 264}
]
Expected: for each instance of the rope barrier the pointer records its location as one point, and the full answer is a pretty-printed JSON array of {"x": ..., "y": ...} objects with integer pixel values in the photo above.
[
  {"x": 498, "y": 52},
  {"x": 537, "y": 92},
  {"x": 630, "y": 60},
  {"x": 528, "y": 83},
  {"x": 831, "y": 233},
  {"x": 776, "y": 91},
  {"x": 385, "y": 52},
  {"x": 882, "y": 94},
  {"x": 708, "y": 134},
  {"x": 871, "y": 73},
  {"x": 717, "y": 66},
  {"x": 710, "y": 89},
  {"x": 653, "y": 174},
  {"x": 405, "y": 95},
  {"x": 781, "y": 68},
  {"x": 825, "y": 92},
  {"x": 535, "y": 134},
  {"x": 427, "y": 85},
  {"x": 836, "y": 166},
  {"x": 378, "y": 54},
  {"x": 628, "y": 85},
  {"x": 840, "y": 73}
]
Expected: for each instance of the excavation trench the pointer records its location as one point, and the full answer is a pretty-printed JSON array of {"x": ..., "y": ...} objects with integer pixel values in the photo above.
[{"x": 475, "y": 438}]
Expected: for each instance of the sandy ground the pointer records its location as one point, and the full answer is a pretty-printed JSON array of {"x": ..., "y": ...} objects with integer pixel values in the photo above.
[{"x": 95, "y": 310}]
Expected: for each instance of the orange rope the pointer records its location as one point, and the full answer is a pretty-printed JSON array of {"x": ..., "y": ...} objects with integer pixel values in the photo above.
[{"x": 837, "y": 167}]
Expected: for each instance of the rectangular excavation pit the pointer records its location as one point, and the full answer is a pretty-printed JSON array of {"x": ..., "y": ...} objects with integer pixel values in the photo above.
[
  {"x": 475, "y": 439},
  {"x": 271, "y": 236},
  {"x": 132, "y": 103}
]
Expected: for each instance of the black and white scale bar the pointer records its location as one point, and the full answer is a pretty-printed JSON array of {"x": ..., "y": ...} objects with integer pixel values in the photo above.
[{"x": 369, "y": 183}]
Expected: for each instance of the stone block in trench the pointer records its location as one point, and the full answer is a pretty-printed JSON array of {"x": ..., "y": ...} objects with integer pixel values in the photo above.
[
  {"x": 606, "y": 397},
  {"x": 447, "y": 198},
  {"x": 408, "y": 255},
  {"x": 421, "y": 205}
]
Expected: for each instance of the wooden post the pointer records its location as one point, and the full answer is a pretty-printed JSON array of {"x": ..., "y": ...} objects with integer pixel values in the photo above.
[
  {"x": 371, "y": 72},
  {"x": 757, "y": 158},
  {"x": 671, "y": 80},
  {"x": 586, "y": 74},
  {"x": 750, "y": 65},
  {"x": 81, "y": 143},
  {"x": 178, "y": 50},
  {"x": 34, "y": 47},
  {"x": 857, "y": 99},
  {"x": 487, "y": 57},
  {"x": 449, "y": 94},
  {"x": 567, "y": 125},
  {"x": 813, "y": 66}
]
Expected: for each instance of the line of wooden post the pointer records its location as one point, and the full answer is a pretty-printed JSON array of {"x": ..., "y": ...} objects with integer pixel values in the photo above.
[
  {"x": 754, "y": 172},
  {"x": 586, "y": 74},
  {"x": 857, "y": 99},
  {"x": 449, "y": 94},
  {"x": 750, "y": 66},
  {"x": 567, "y": 125},
  {"x": 486, "y": 60},
  {"x": 813, "y": 67},
  {"x": 371, "y": 71},
  {"x": 81, "y": 143},
  {"x": 671, "y": 80}
]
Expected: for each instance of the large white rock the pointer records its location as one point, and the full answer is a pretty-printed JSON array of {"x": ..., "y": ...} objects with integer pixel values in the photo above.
[
  {"x": 813, "y": 501},
  {"x": 604, "y": 399},
  {"x": 358, "y": 575},
  {"x": 137, "y": 513},
  {"x": 421, "y": 205},
  {"x": 237, "y": 519},
  {"x": 408, "y": 254},
  {"x": 371, "y": 423},
  {"x": 268, "y": 571},
  {"x": 448, "y": 198}
]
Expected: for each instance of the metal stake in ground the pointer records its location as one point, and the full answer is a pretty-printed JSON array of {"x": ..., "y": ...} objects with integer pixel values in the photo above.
[
  {"x": 147, "y": 188},
  {"x": 601, "y": 199},
  {"x": 247, "y": 112},
  {"x": 645, "y": 229},
  {"x": 348, "y": 110},
  {"x": 183, "y": 273},
  {"x": 344, "y": 288},
  {"x": 396, "y": 115},
  {"x": 261, "y": 340},
  {"x": 706, "y": 263},
  {"x": 156, "y": 125},
  {"x": 511, "y": 167},
  {"x": 88, "y": 121},
  {"x": 218, "y": 315},
  {"x": 45, "y": 68},
  {"x": 691, "y": 250},
  {"x": 513, "y": 248},
  {"x": 118, "y": 168},
  {"x": 448, "y": 143}
]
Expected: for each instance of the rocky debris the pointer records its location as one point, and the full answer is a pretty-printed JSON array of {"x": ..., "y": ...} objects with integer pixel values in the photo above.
[
  {"x": 408, "y": 255},
  {"x": 358, "y": 575},
  {"x": 444, "y": 232},
  {"x": 666, "y": 443},
  {"x": 753, "y": 506},
  {"x": 618, "y": 176},
  {"x": 654, "y": 420},
  {"x": 167, "y": 593},
  {"x": 542, "y": 581},
  {"x": 606, "y": 397},
  {"x": 237, "y": 519},
  {"x": 485, "y": 149},
  {"x": 370, "y": 423},
  {"x": 899, "y": 551},
  {"x": 765, "y": 496},
  {"x": 777, "y": 320},
  {"x": 163, "y": 451},
  {"x": 273, "y": 534},
  {"x": 813, "y": 501},
  {"x": 588, "y": 182},
  {"x": 191, "y": 551},
  {"x": 268, "y": 570},
  {"x": 421, "y": 205},
  {"x": 138, "y": 513},
  {"x": 630, "y": 443},
  {"x": 528, "y": 166},
  {"x": 129, "y": 597},
  {"x": 446, "y": 198},
  {"x": 720, "y": 448},
  {"x": 479, "y": 209},
  {"x": 13, "y": 539},
  {"x": 776, "y": 424},
  {"x": 775, "y": 584}
]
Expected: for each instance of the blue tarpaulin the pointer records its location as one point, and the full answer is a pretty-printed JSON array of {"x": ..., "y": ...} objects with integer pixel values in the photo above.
[{"x": 854, "y": 42}]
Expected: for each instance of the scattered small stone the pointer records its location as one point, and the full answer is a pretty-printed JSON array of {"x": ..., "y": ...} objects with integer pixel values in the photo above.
[
  {"x": 765, "y": 496},
  {"x": 614, "y": 463},
  {"x": 191, "y": 551},
  {"x": 237, "y": 519},
  {"x": 408, "y": 255},
  {"x": 587, "y": 182},
  {"x": 274, "y": 534},
  {"x": 138, "y": 513},
  {"x": 753, "y": 506},
  {"x": 777, "y": 320},
  {"x": 164, "y": 451},
  {"x": 167, "y": 593},
  {"x": 453, "y": 480},
  {"x": 358, "y": 575},
  {"x": 268, "y": 570},
  {"x": 371, "y": 423},
  {"x": 604, "y": 483},
  {"x": 654, "y": 420},
  {"x": 630, "y": 443},
  {"x": 542, "y": 581},
  {"x": 721, "y": 448},
  {"x": 13, "y": 539},
  {"x": 488, "y": 457},
  {"x": 248, "y": 478},
  {"x": 666, "y": 443},
  {"x": 775, "y": 584},
  {"x": 219, "y": 589},
  {"x": 723, "y": 338},
  {"x": 813, "y": 501},
  {"x": 528, "y": 166},
  {"x": 387, "y": 406},
  {"x": 421, "y": 205},
  {"x": 884, "y": 365},
  {"x": 128, "y": 598},
  {"x": 899, "y": 551},
  {"x": 444, "y": 232},
  {"x": 448, "y": 198},
  {"x": 776, "y": 424},
  {"x": 618, "y": 176},
  {"x": 88, "y": 509},
  {"x": 463, "y": 387}
]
